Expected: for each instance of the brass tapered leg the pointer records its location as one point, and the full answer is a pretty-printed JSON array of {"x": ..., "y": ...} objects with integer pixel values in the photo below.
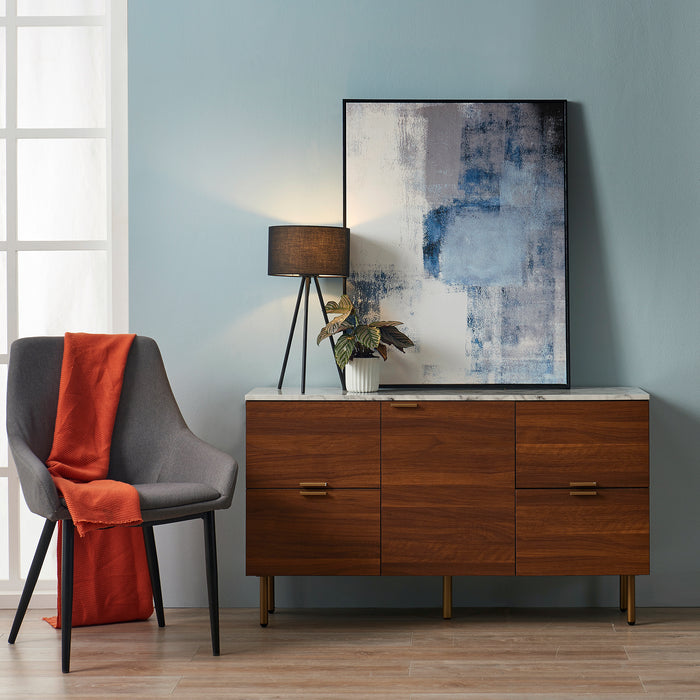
[
  {"x": 623, "y": 593},
  {"x": 447, "y": 597},
  {"x": 631, "y": 617},
  {"x": 263, "y": 600},
  {"x": 271, "y": 594}
]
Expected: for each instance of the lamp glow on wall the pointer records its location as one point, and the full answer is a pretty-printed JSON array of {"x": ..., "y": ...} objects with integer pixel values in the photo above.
[{"x": 308, "y": 252}]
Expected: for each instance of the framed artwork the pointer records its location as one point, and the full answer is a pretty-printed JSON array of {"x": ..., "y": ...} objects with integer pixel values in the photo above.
[{"x": 458, "y": 220}]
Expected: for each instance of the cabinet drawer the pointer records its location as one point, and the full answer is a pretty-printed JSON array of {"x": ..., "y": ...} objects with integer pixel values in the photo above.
[
  {"x": 560, "y": 442},
  {"x": 293, "y": 442},
  {"x": 557, "y": 533},
  {"x": 291, "y": 534},
  {"x": 448, "y": 443},
  {"x": 448, "y": 531}
]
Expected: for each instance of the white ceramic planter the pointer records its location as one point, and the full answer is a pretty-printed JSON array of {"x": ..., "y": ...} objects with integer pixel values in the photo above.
[{"x": 362, "y": 375}]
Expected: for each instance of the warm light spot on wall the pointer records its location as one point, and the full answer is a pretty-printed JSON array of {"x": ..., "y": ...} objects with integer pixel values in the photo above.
[{"x": 300, "y": 200}]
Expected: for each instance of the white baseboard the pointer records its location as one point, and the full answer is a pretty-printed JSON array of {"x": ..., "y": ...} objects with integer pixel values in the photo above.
[{"x": 10, "y": 600}]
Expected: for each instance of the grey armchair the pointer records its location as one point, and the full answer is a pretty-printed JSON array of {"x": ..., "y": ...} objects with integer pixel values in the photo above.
[{"x": 178, "y": 477}]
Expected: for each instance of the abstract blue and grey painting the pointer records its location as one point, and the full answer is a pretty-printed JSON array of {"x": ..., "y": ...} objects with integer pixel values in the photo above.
[{"x": 457, "y": 212}]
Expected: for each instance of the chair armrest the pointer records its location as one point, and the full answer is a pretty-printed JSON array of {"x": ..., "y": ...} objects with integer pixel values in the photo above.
[
  {"x": 192, "y": 459},
  {"x": 37, "y": 485}
]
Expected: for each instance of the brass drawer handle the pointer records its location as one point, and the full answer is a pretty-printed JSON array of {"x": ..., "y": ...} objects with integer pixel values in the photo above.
[
  {"x": 404, "y": 405},
  {"x": 582, "y": 484},
  {"x": 583, "y": 493},
  {"x": 313, "y": 493},
  {"x": 313, "y": 484}
]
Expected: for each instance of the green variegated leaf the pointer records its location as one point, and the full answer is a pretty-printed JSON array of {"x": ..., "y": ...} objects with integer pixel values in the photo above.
[
  {"x": 344, "y": 306},
  {"x": 367, "y": 336},
  {"x": 331, "y": 328},
  {"x": 393, "y": 336},
  {"x": 325, "y": 332},
  {"x": 342, "y": 317},
  {"x": 382, "y": 350},
  {"x": 343, "y": 309},
  {"x": 343, "y": 349}
]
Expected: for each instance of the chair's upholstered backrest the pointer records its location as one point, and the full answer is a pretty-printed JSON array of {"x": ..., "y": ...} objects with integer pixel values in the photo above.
[
  {"x": 32, "y": 395},
  {"x": 32, "y": 392},
  {"x": 147, "y": 418}
]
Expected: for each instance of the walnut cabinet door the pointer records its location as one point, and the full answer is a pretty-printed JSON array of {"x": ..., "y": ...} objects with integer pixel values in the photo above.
[{"x": 448, "y": 488}]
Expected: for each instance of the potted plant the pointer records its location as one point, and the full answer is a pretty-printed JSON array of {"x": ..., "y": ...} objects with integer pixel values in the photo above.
[{"x": 359, "y": 344}]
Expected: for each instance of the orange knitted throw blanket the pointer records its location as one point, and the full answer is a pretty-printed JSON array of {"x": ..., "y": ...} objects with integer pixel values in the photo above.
[{"x": 111, "y": 581}]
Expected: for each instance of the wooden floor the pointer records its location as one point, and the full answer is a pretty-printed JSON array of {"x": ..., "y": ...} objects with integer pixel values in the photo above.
[{"x": 525, "y": 653}]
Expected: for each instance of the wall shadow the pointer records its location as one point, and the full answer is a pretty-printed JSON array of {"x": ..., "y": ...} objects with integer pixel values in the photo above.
[{"x": 594, "y": 346}]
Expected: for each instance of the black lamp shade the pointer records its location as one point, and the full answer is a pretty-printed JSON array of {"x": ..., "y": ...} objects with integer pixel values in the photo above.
[{"x": 322, "y": 251}]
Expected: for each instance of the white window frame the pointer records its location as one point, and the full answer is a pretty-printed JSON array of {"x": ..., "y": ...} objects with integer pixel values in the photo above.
[{"x": 116, "y": 244}]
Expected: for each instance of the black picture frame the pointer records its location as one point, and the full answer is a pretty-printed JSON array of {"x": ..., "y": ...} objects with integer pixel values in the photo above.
[{"x": 459, "y": 227}]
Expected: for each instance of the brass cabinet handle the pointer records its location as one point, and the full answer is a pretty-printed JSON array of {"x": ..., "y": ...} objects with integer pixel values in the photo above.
[
  {"x": 583, "y": 493},
  {"x": 580, "y": 484},
  {"x": 404, "y": 405},
  {"x": 313, "y": 493},
  {"x": 313, "y": 484}
]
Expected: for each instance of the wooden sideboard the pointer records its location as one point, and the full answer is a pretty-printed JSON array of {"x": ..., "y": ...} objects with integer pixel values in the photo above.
[{"x": 447, "y": 483}]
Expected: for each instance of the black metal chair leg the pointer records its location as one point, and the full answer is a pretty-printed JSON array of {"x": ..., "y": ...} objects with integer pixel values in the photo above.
[
  {"x": 154, "y": 572},
  {"x": 212, "y": 579},
  {"x": 66, "y": 592},
  {"x": 32, "y": 577}
]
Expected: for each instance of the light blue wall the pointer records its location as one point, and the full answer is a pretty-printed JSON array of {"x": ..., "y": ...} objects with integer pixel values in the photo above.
[{"x": 235, "y": 124}]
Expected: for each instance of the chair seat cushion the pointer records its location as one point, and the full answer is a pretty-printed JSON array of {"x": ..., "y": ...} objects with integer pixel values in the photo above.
[{"x": 174, "y": 495}]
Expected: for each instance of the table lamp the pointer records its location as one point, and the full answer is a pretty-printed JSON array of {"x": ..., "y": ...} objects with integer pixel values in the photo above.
[{"x": 308, "y": 252}]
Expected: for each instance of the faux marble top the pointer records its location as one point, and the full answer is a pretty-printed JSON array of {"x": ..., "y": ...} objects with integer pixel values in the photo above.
[{"x": 441, "y": 394}]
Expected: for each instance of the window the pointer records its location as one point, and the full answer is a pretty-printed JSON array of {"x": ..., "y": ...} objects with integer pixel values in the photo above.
[{"x": 63, "y": 205}]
